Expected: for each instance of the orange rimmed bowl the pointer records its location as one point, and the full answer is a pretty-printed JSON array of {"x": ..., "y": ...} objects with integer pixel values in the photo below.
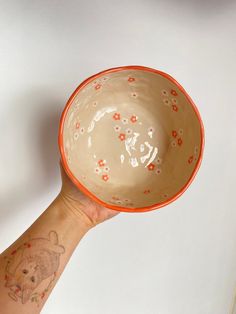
[{"x": 131, "y": 138}]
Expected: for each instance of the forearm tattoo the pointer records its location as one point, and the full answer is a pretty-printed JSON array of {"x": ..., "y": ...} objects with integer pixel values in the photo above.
[{"x": 32, "y": 268}]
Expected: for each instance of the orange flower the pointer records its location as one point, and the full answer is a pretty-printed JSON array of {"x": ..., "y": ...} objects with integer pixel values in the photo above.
[
  {"x": 173, "y": 92},
  {"x": 174, "y": 107},
  {"x": 174, "y": 133},
  {"x": 116, "y": 116},
  {"x": 77, "y": 125},
  {"x": 146, "y": 191},
  {"x": 121, "y": 136},
  {"x": 105, "y": 177},
  {"x": 101, "y": 163},
  {"x": 131, "y": 79},
  {"x": 190, "y": 160},
  {"x": 151, "y": 167},
  {"x": 180, "y": 142},
  {"x": 98, "y": 86},
  {"x": 133, "y": 119}
]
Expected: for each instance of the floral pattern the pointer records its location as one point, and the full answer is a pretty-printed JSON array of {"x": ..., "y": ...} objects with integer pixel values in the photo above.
[
  {"x": 117, "y": 128},
  {"x": 82, "y": 130},
  {"x": 97, "y": 170},
  {"x": 121, "y": 136},
  {"x": 194, "y": 157},
  {"x": 98, "y": 86},
  {"x": 106, "y": 169},
  {"x": 174, "y": 133},
  {"x": 133, "y": 118},
  {"x": 164, "y": 92},
  {"x": 179, "y": 141},
  {"x": 190, "y": 160},
  {"x": 175, "y": 108},
  {"x": 76, "y": 136},
  {"x": 177, "y": 138},
  {"x": 173, "y": 92},
  {"x": 116, "y": 116},
  {"x": 105, "y": 177},
  {"x": 166, "y": 101},
  {"x": 101, "y": 163},
  {"x": 169, "y": 100},
  {"x": 117, "y": 200},
  {"x": 126, "y": 129},
  {"x": 131, "y": 79},
  {"x": 151, "y": 167},
  {"x": 102, "y": 169}
]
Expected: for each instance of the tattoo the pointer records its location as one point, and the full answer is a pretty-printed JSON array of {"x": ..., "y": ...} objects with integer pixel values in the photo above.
[{"x": 31, "y": 266}]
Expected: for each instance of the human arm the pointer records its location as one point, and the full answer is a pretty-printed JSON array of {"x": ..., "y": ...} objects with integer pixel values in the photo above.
[{"x": 31, "y": 266}]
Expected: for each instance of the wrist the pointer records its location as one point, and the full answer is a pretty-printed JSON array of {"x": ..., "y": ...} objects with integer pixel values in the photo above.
[{"x": 72, "y": 211}]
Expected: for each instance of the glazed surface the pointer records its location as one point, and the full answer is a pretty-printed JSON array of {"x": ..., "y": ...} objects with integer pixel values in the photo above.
[{"x": 131, "y": 138}]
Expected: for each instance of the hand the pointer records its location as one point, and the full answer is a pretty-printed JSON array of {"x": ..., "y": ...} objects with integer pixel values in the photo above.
[{"x": 81, "y": 205}]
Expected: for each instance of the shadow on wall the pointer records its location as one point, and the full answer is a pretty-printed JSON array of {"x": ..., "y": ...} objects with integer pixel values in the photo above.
[{"x": 41, "y": 116}]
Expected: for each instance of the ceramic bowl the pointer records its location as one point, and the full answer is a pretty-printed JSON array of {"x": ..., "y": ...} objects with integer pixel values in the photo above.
[{"x": 131, "y": 138}]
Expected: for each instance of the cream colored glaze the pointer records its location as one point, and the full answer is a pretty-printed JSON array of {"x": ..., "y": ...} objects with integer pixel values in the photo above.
[{"x": 89, "y": 135}]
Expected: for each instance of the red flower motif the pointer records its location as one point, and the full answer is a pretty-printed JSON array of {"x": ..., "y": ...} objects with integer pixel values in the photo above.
[
  {"x": 175, "y": 108},
  {"x": 146, "y": 191},
  {"x": 151, "y": 167},
  {"x": 101, "y": 163},
  {"x": 121, "y": 136},
  {"x": 174, "y": 133},
  {"x": 131, "y": 79},
  {"x": 173, "y": 92},
  {"x": 180, "y": 142},
  {"x": 98, "y": 86},
  {"x": 116, "y": 116},
  {"x": 105, "y": 177},
  {"x": 77, "y": 125},
  {"x": 133, "y": 119},
  {"x": 42, "y": 296},
  {"x": 190, "y": 160}
]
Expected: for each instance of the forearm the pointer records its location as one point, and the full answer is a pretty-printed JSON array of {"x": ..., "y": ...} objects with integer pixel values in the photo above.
[{"x": 31, "y": 266}]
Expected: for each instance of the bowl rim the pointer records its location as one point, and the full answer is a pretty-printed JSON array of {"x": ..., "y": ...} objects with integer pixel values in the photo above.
[{"x": 82, "y": 187}]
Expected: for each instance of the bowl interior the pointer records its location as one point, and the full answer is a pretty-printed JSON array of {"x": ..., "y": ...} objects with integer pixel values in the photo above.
[{"x": 131, "y": 138}]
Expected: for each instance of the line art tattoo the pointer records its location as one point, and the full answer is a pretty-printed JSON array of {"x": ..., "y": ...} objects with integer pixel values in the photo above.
[{"x": 31, "y": 268}]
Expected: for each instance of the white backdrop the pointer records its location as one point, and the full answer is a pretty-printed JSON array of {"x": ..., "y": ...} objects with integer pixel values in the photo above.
[{"x": 180, "y": 259}]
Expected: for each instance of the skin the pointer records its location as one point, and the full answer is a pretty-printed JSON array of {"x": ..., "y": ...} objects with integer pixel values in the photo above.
[{"x": 31, "y": 266}]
